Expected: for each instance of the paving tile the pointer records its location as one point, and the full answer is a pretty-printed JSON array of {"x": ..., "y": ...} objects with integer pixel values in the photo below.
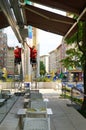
[{"x": 64, "y": 116}]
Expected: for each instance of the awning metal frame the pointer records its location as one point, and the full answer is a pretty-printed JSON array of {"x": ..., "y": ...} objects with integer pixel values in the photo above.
[
  {"x": 5, "y": 7},
  {"x": 15, "y": 13},
  {"x": 79, "y": 18}
]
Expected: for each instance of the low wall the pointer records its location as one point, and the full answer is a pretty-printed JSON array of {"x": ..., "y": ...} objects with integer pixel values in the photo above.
[
  {"x": 7, "y": 85},
  {"x": 48, "y": 85},
  {"x": 40, "y": 85}
]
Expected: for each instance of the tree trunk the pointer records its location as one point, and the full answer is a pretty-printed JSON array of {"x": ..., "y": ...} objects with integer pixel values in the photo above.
[{"x": 83, "y": 108}]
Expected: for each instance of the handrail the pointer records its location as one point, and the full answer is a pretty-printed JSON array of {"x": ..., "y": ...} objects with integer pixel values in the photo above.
[
  {"x": 80, "y": 92},
  {"x": 74, "y": 92}
]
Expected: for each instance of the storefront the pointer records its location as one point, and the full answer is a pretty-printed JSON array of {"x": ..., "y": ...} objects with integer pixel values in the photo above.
[{"x": 75, "y": 75}]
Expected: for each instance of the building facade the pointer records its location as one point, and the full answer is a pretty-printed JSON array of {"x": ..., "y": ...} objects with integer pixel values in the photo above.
[
  {"x": 52, "y": 61},
  {"x": 10, "y": 60},
  {"x": 58, "y": 59},
  {"x": 3, "y": 50}
]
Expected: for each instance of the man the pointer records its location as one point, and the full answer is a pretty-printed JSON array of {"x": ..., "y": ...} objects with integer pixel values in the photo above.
[
  {"x": 33, "y": 55},
  {"x": 17, "y": 55}
]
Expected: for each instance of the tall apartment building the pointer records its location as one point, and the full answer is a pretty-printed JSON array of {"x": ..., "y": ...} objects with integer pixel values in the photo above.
[
  {"x": 52, "y": 61},
  {"x": 55, "y": 57},
  {"x": 10, "y": 60},
  {"x": 3, "y": 50},
  {"x": 59, "y": 55}
]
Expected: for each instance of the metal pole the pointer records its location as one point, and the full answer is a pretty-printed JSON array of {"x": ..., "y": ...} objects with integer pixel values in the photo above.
[{"x": 80, "y": 16}]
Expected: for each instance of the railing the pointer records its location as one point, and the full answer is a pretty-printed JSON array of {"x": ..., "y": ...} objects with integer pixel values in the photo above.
[
  {"x": 76, "y": 95},
  {"x": 73, "y": 93}
]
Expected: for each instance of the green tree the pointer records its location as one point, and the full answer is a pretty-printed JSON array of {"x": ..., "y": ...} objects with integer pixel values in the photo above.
[
  {"x": 73, "y": 58},
  {"x": 79, "y": 38},
  {"x": 42, "y": 68}
]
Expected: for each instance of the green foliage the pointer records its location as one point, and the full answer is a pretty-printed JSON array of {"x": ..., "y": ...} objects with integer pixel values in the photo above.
[
  {"x": 72, "y": 39},
  {"x": 73, "y": 99},
  {"x": 44, "y": 79},
  {"x": 64, "y": 88},
  {"x": 77, "y": 37},
  {"x": 9, "y": 80},
  {"x": 42, "y": 68},
  {"x": 79, "y": 52},
  {"x": 73, "y": 58}
]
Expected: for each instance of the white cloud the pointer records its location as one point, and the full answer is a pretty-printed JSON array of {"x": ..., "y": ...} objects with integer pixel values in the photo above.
[
  {"x": 48, "y": 41},
  {"x": 11, "y": 38}
]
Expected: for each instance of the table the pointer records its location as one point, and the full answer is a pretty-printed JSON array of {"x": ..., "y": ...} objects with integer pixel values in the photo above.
[
  {"x": 38, "y": 109},
  {"x": 36, "y": 124}
]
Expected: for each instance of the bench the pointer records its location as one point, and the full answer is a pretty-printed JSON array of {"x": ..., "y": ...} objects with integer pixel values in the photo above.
[
  {"x": 6, "y": 94},
  {"x": 2, "y": 100}
]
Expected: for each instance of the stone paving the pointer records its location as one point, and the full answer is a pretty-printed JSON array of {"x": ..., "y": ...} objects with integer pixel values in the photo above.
[
  {"x": 5, "y": 108},
  {"x": 64, "y": 116}
]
